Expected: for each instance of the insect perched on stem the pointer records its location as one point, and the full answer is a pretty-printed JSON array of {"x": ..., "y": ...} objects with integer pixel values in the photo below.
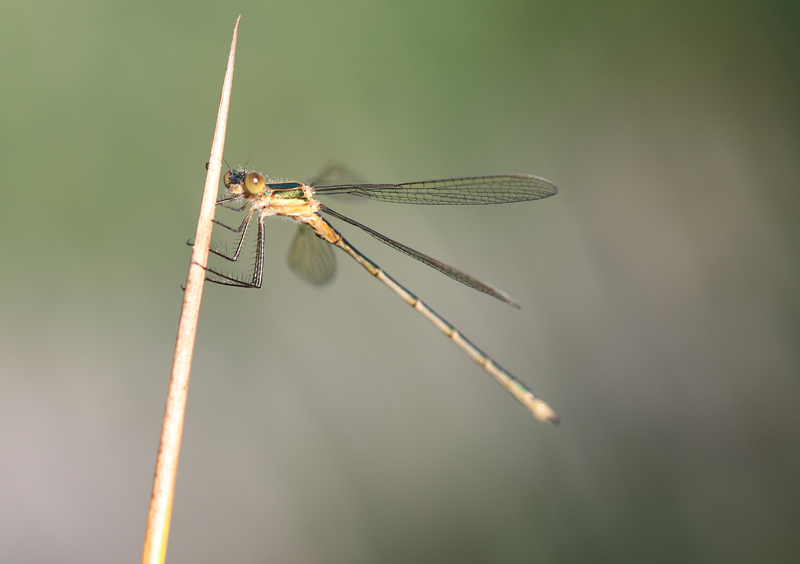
[{"x": 312, "y": 258}]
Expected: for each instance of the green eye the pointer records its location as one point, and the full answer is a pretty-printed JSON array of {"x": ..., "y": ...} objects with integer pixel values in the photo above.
[{"x": 254, "y": 183}]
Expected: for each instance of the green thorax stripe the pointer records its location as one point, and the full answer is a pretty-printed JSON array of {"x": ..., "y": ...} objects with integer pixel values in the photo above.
[{"x": 286, "y": 190}]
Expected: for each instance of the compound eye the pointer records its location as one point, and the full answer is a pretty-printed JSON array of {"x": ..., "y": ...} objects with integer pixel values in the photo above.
[
  {"x": 254, "y": 183},
  {"x": 227, "y": 179}
]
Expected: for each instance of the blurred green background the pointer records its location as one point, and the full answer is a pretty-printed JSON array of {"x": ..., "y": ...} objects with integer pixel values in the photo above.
[{"x": 661, "y": 312}]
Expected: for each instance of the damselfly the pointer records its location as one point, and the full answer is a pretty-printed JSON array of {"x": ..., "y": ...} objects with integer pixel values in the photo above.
[{"x": 312, "y": 258}]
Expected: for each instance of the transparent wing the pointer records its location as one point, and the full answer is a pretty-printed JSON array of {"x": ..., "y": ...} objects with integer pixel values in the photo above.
[
  {"x": 453, "y": 273},
  {"x": 336, "y": 173},
  {"x": 339, "y": 174},
  {"x": 311, "y": 258},
  {"x": 474, "y": 190}
]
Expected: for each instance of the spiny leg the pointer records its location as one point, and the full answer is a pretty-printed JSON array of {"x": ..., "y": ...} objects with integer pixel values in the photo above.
[
  {"x": 245, "y": 225},
  {"x": 258, "y": 268},
  {"x": 245, "y": 221},
  {"x": 258, "y": 272},
  {"x": 225, "y": 280},
  {"x": 224, "y": 204}
]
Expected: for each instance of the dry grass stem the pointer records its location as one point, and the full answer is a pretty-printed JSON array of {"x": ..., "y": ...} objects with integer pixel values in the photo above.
[{"x": 158, "y": 520}]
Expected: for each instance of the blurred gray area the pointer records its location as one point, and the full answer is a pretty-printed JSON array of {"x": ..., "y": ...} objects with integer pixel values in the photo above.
[{"x": 659, "y": 289}]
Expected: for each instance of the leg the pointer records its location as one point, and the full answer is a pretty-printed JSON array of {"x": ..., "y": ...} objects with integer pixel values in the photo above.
[
  {"x": 258, "y": 268},
  {"x": 243, "y": 230}
]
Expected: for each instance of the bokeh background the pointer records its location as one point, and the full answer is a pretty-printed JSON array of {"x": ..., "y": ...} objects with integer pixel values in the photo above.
[{"x": 659, "y": 289}]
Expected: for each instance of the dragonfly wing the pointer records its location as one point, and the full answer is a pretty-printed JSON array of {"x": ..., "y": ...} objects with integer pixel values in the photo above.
[
  {"x": 311, "y": 258},
  {"x": 474, "y": 190}
]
